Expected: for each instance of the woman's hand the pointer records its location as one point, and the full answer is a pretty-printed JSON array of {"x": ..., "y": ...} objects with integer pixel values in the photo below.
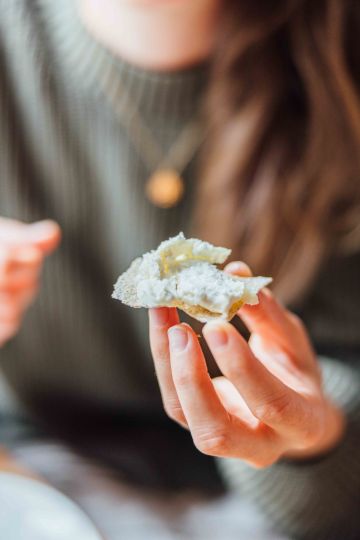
[
  {"x": 269, "y": 403},
  {"x": 22, "y": 251}
]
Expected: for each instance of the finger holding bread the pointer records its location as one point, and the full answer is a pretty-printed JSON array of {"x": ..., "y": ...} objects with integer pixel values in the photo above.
[{"x": 160, "y": 321}]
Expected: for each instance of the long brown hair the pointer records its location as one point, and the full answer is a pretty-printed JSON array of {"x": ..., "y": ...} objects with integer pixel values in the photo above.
[{"x": 281, "y": 174}]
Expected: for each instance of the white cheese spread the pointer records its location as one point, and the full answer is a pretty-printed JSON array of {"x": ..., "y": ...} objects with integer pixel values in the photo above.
[{"x": 182, "y": 273}]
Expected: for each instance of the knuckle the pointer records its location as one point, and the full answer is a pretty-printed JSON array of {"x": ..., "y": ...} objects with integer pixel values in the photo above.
[
  {"x": 172, "y": 406},
  {"x": 183, "y": 380},
  {"x": 187, "y": 378},
  {"x": 213, "y": 443},
  {"x": 161, "y": 353},
  {"x": 233, "y": 371},
  {"x": 310, "y": 437},
  {"x": 175, "y": 412},
  {"x": 309, "y": 432},
  {"x": 273, "y": 409},
  {"x": 240, "y": 364}
]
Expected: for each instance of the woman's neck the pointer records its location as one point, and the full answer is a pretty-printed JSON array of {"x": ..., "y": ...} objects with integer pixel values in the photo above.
[{"x": 159, "y": 35}]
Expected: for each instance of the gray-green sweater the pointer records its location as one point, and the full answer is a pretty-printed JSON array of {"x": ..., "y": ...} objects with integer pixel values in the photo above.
[{"x": 80, "y": 356}]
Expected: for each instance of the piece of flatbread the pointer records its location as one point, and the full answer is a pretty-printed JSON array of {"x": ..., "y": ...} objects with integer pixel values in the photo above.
[{"x": 182, "y": 273}]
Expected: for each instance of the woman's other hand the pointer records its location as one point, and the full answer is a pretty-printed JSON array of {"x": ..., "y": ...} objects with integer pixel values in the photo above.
[
  {"x": 23, "y": 248},
  {"x": 268, "y": 404}
]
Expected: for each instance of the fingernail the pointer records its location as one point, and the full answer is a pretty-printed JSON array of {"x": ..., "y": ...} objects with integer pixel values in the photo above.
[
  {"x": 178, "y": 338},
  {"x": 238, "y": 267},
  {"x": 159, "y": 316},
  {"x": 216, "y": 335}
]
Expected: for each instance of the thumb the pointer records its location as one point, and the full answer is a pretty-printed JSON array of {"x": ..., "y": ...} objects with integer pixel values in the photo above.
[{"x": 44, "y": 235}]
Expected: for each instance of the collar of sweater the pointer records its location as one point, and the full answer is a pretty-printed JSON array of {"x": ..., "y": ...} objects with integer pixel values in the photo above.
[{"x": 94, "y": 67}]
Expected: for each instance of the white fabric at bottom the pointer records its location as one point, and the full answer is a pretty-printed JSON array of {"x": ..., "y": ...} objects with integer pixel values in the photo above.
[{"x": 124, "y": 513}]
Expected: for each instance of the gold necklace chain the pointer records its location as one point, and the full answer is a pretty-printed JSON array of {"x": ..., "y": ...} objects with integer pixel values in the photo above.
[{"x": 165, "y": 186}]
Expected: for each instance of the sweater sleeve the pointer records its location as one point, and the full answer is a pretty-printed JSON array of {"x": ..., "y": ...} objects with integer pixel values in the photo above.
[{"x": 318, "y": 498}]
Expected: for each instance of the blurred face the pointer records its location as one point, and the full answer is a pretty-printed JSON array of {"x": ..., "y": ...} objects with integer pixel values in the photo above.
[
  {"x": 185, "y": 5},
  {"x": 149, "y": 2},
  {"x": 180, "y": 31}
]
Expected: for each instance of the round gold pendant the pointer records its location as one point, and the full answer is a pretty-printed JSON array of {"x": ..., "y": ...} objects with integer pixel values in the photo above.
[{"x": 165, "y": 188}]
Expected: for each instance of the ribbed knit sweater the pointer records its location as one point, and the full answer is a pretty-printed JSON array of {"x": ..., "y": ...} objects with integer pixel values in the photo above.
[{"x": 81, "y": 357}]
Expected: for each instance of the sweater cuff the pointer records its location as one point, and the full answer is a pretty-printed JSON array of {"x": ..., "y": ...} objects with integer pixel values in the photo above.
[{"x": 319, "y": 499}]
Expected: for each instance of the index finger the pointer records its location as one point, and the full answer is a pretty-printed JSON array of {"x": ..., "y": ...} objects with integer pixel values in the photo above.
[
  {"x": 214, "y": 430},
  {"x": 160, "y": 320}
]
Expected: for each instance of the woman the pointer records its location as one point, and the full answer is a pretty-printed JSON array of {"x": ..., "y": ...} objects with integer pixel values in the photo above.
[{"x": 104, "y": 105}]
